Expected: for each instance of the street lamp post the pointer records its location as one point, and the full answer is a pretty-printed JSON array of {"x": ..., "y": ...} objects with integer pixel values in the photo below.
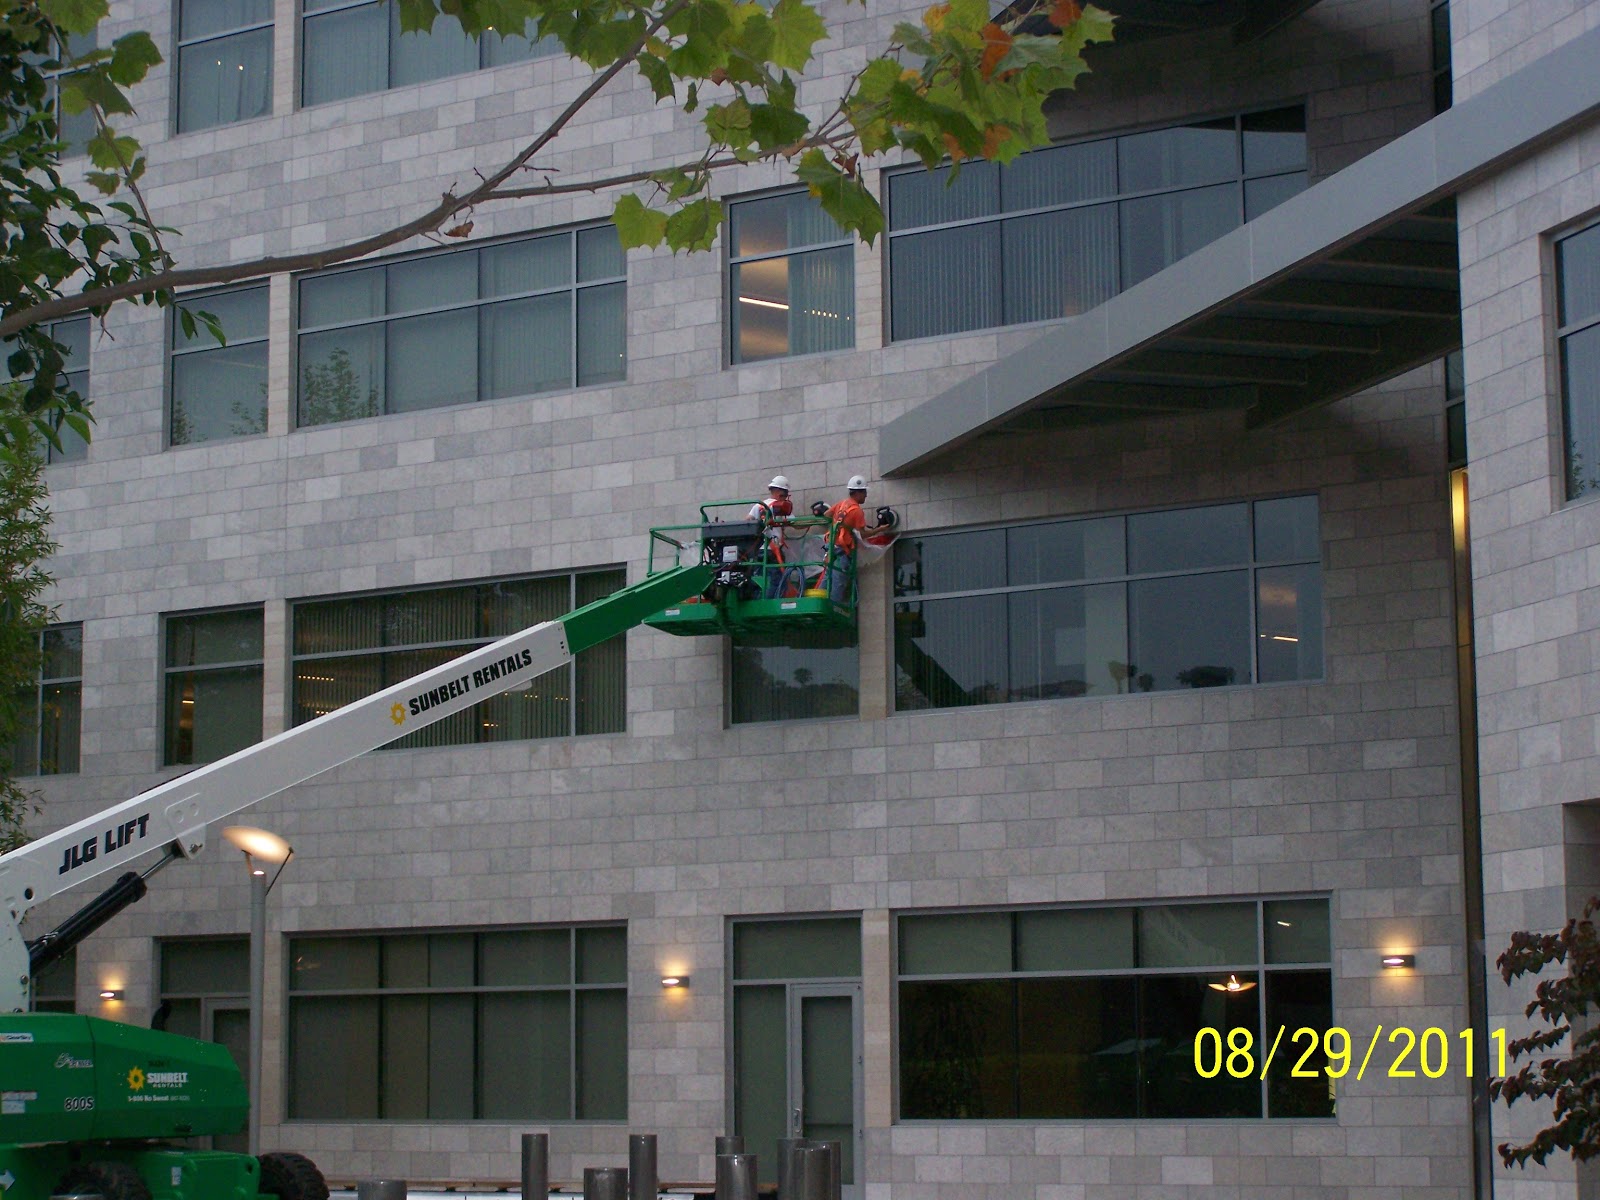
[{"x": 260, "y": 849}]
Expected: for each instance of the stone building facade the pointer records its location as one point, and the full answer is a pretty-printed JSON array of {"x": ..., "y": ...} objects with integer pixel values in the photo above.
[{"x": 919, "y": 819}]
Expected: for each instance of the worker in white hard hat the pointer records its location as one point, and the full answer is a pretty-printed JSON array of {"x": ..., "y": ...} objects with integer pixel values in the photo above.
[
  {"x": 773, "y": 513},
  {"x": 848, "y": 522}
]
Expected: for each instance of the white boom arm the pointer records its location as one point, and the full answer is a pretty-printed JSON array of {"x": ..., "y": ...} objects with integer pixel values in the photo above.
[{"x": 177, "y": 812}]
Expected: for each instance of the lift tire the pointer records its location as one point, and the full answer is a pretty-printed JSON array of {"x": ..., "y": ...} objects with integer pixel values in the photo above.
[
  {"x": 108, "y": 1179},
  {"x": 291, "y": 1176}
]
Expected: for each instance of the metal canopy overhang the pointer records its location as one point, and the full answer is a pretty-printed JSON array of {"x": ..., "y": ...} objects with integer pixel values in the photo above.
[{"x": 1349, "y": 283}]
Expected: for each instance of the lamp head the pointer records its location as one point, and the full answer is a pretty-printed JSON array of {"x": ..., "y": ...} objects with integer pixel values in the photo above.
[{"x": 259, "y": 844}]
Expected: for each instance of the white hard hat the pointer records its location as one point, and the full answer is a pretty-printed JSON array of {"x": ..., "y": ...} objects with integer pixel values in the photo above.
[
  {"x": 856, "y": 484},
  {"x": 780, "y": 481}
]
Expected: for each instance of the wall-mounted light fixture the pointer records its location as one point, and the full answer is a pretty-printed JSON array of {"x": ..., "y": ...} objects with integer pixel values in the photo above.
[
  {"x": 1396, "y": 962},
  {"x": 674, "y": 981},
  {"x": 113, "y": 994},
  {"x": 1233, "y": 986}
]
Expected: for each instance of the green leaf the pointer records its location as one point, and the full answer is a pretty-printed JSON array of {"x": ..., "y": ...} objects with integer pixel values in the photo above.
[
  {"x": 842, "y": 196},
  {"x": 80, "y": 89},
  {"x": 106, "y": 181},
  {"x": 695, "y": 225},
  {"x": 660, "y": 79},
  {"x": 75, "y": 16},
  {"x": 132, "y": 56},
  {"x": 416, "y": 16},
  {"x": 772, "y": 126},
  {"x": 112, "y": 152},
  {"x": 796, "y": 29},
  {"x": 704, "y": 29},
  {"x": 729, "y": 123},
  {"x": 638, "y": 225}
]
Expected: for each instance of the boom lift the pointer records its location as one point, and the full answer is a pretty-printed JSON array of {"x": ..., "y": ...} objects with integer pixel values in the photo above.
[{"x": 86, "y": 1104}]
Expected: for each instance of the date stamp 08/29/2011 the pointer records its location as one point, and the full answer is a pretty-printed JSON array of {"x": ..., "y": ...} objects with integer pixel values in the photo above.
[{"x": 1313, "y": 1053}]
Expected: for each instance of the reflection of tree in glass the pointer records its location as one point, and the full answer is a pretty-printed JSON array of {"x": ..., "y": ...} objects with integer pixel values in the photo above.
[
  {"x": 1577, "y": 483},
  {"x": 1205, "y": 676},
  {"x": 331, "y": 391},
  {"x": 941, "y": 1048},
  {"x": 245, "y": 419}
]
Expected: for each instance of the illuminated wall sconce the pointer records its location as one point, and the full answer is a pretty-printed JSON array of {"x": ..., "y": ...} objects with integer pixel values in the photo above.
[
  {"x": 674, "y": 981},
  {"x": 1234, "y": 985},
  {"x": 113, "y": 994},
  {"x": 1396, "y": 962}
]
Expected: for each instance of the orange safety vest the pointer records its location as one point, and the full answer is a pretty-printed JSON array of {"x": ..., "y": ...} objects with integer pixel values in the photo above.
[
  {"x": 847, "y": 516},
  {"x": 776, "y": 510}
]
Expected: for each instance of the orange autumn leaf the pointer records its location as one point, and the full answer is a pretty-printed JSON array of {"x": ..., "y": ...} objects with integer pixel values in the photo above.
[
  {"x": 996, "y": 45},
  {"x": 993, "y": 138},
  {"x": 954, "y": 146},
  {"x": 1064, "y": 13},
  {"x": 934, "y": 17}
]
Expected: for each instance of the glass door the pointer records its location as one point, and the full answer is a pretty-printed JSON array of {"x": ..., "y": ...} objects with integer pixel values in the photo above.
[
  {"x": 825, "y": 1071},
  {"x": 227, "y": 1022}
]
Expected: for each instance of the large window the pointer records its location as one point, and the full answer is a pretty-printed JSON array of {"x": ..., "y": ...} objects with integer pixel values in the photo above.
[
  {"x": 55, "y": 989},
  {"x": 51, "y": 723},
  {"x": 1180, "y": 598},
  {"x": 72, "y": 335},
  {"x": 220, "y": 390},
  {"x": 1578, "y": 334},
  {"x": 347, "y": 649},
  {"x": 791, "y": 279},
  {"x": 1093, "y": 1012},
  {"x": 224, "y": 62},
  {"x": 509, "y": 319},
  {"x": 73, "y": 129},
  {"x": 508, "y": 1025},
  {"x": 1443, "y": 82},
  {"x": 214, "y": 681},
  {"x": 1063, "y": 229},
  {"x": 349, "y": 49},
  {"x": 786, "y": 683}
]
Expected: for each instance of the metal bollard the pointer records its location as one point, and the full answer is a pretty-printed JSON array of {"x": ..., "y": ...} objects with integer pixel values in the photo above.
[
  {"x": 835, "y": 1181},
  {"x": 380, "y": 1189},
  {"x": 812, "y": 1171},
  {"x": 788, "y": 1186},
  {"x": 535, "y": 1166},
  {"x": 736, "y": 1177},
  {"x": 643, "y": 1182},
  {"x": 605, "y": 1183},
  {"x": 732, "y": 1143}
]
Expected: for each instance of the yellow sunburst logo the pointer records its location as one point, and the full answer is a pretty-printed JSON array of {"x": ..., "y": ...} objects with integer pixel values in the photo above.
[
  {"x": 397, "y": 714},
  {"x": 136, "y": 1080}
]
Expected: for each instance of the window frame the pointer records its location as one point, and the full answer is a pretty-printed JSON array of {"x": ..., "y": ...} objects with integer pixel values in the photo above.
[
  {"x": 732, "y": 261},
  {"x": 573, "y": 288},
  {"x": 1261, "y": 970},
  {"x": 180, "y": 44},
  {"x": 1252, "y": 566},
  {"x": 1560, "y": 331},
  {"x": 42, "y": 681},
  {"x": 462, "y": 646},
  {"x": 168, "y": 672},
  {"x": 1239, "y": 178},
  {"x": 571, "y": 988},
  {"x": 195, "y": 301}
]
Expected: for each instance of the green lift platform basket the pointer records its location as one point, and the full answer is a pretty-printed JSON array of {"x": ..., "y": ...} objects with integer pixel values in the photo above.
[{"x": 773, "y": 582}]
